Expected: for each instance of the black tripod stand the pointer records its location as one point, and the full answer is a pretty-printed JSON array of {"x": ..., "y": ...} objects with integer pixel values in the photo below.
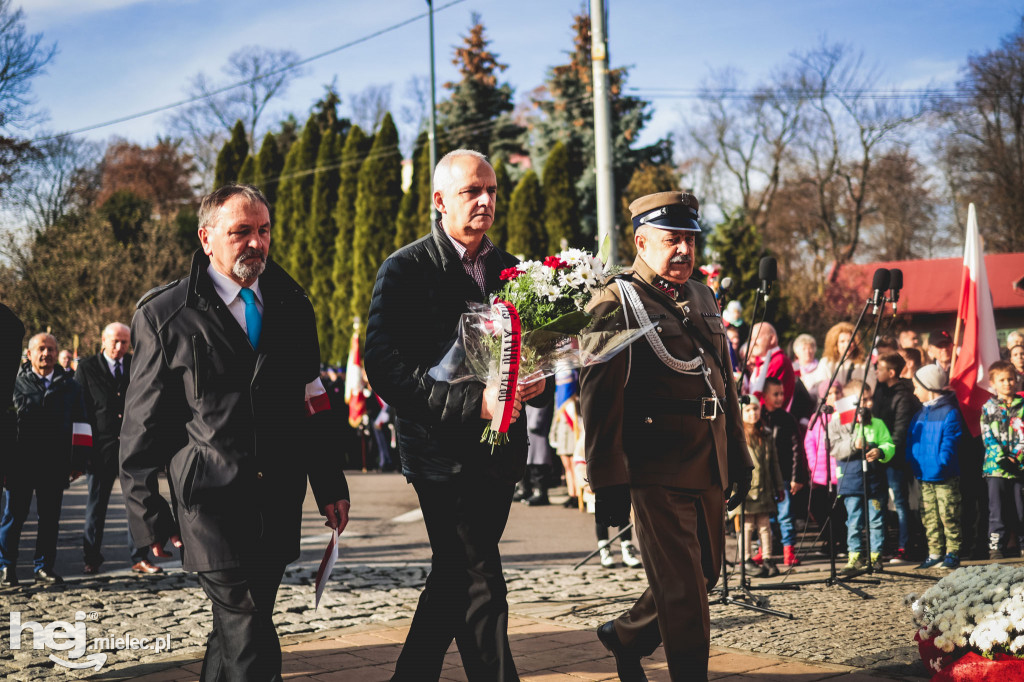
[
  {"x": 833, "y": 578},
  {"x": 746, "y": 599}
]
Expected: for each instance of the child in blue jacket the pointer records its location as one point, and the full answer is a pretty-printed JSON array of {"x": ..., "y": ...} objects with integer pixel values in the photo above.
[{"x": 932, "y": 451}]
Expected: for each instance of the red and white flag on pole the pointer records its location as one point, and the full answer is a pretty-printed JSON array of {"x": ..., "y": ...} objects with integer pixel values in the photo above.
[
  {"x": 846, "y": 408},
  {"x": 980, "y": 347},
  {"x": 354, "y": 383}
]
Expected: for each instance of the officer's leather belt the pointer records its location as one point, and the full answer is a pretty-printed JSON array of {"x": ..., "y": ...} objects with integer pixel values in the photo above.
[{"x": 705, "y": 408}]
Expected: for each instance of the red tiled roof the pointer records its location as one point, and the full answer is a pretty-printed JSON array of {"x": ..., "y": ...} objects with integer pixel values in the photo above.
[{"x": 933, "y": 286}]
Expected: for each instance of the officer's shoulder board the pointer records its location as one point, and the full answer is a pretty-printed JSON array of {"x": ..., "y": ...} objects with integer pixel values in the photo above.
[{"x": 154, "y": 292}]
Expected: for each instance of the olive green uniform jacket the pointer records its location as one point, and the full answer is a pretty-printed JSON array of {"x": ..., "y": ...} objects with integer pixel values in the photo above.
[{"x": 643, "y": 421}]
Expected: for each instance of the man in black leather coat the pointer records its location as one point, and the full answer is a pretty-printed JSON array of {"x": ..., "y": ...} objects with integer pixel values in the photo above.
[{"x": 464, "y": 490}]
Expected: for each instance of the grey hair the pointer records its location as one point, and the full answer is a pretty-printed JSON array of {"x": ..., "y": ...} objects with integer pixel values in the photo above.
[
  {"x": 217, "y": 198},
  {"x": 115, "y": 326},
  {"x": 41, "y": 335},
  {"x": 443, "y": 170},
  {"x": 805, "y": 338}
]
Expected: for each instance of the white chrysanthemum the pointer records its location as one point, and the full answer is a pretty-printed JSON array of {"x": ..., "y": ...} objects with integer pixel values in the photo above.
[{"x": 549, "y": 290}]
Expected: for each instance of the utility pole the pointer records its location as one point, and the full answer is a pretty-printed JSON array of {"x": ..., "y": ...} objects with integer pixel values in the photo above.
[
  {"x": 432, "y": 133},
  {"x": 602, "y": 130}
]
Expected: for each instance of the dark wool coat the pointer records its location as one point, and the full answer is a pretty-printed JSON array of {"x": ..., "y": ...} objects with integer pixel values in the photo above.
[{"x": 227, "y": 422}]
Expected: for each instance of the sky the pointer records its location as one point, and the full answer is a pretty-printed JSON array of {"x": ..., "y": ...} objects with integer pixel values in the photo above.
[{"x": 120, "y": 57}]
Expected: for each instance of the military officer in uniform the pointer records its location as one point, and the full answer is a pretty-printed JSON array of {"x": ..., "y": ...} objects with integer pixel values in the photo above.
[{"x": 663, "y": 432}]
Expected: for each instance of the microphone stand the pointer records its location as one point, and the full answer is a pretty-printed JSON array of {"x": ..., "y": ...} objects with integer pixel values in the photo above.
[
  {"x": 746, "y": 600},
  {"x": 755, "y": 603},
  {"x": 834, "y": 579}
]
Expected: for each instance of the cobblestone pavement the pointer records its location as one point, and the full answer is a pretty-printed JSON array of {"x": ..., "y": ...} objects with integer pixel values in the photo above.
[{"x": 830, "y": 624}]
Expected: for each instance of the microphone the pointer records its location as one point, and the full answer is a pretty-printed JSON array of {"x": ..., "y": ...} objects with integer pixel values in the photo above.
[
  {"x": 725, "y": 284},
  {"x": 879, "y": 282},
  {"x": 895, "y": 284},
  {"x": 767, "y": 272}
]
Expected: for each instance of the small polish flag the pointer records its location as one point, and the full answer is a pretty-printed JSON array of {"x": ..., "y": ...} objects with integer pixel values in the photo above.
[
  {"x": 846, "y": 408},
  {"x": 316, "y": 398},
  {"x": 81, "y": 434}
]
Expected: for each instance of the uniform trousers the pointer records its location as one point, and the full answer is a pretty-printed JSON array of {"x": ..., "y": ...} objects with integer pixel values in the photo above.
[
  {"x": 49, "y": 497},
  {"x": 680, "y": 534},
  {"x": 243, "y": 644},
  {"x": 465, "y": 597}
]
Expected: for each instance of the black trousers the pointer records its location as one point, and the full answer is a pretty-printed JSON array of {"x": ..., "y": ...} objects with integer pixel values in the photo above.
[
  {"x": 465, "y": 595},
  {"x": 101, "y": 482},
  {"x": 243, "y": 645}
]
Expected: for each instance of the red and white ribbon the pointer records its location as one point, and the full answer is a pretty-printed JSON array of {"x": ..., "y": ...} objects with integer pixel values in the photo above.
[
  {"x": 508, "y": 364},
  {"x": 316, "y": 398},
  {"x": 81, "y": 434}
]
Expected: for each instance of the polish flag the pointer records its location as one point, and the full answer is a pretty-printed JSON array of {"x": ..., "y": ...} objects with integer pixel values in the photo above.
[
  {"x": 980, "y": 348},
  {"x": 326, "y": 566},
  {"x": 846, "y": 408},
  {"x": 81, "y": 434},
  {"x": 354, "y": 384},
  {"x": 316, "y": 397}
]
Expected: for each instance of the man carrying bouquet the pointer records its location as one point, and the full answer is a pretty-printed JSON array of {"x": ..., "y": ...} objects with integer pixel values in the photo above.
[
  {"x": 464, "y": 485},
  {"x": 663, "y": 431}
]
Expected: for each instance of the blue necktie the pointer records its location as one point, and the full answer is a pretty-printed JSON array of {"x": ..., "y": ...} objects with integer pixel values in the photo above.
[{"x": 253, "y": 321}]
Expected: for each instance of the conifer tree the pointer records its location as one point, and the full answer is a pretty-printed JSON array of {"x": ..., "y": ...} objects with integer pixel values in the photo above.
[
  {"x": 247, "y": 174},
  {"x": 499, "y": 229},
  {"x": 526, "y": 236},
  {"x": 424, "y": 184},
  {"x": 410, "y": 212},
  {"x": 231, "y": 157},
  {"x": 568, "y": 116},
  {"x": 269, "y": 165},
  {"x": 323, "y": 235},
  {"x": 560, "y": 220},
  {"x": 469, "y": 116},
  {"x": 308, "y": 146},
  {"x": 357, "y": 146},
  {"x": 283, "y": 230},
  {"x": 737, "y": 245},
  {"x": 377, "y": 199}
]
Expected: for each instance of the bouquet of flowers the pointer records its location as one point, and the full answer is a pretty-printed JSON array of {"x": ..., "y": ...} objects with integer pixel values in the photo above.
[
  {"x": 535, "y": 322},
  {"x": 972, "y": 623}
]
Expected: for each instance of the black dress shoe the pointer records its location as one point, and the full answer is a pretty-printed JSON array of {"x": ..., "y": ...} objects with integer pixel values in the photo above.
[
  {"x": 45, "y": 576},
  {"x": 8, "y": 577},
  {"x": 627, "y": 662}
]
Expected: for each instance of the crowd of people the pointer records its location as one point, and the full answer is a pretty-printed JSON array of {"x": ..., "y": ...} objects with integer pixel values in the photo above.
[{"x": 703, "y": 419}]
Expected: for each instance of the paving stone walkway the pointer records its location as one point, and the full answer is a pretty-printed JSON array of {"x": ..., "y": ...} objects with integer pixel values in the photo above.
[{"x": 863, "y": 633}]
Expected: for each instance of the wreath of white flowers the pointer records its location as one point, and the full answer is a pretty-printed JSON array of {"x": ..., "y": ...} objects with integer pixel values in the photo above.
[{"x": 980, "y": 608}]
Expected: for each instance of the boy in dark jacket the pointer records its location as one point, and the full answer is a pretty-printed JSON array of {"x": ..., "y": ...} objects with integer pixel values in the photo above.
[
  {"x": 789, "y": 444},
  {"x": 895, "y": 404},
  {"x": 933, "y": 452},
  {"x": 869, "y": 440}
]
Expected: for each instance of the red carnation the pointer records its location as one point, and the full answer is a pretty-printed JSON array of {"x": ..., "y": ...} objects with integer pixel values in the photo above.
[
  {"x": 510, "y": 273},
  {"x": 555, "y": 262}
]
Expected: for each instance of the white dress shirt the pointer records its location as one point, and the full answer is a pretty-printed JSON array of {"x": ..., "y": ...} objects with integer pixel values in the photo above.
[
  {"x": 228, "y": 289},
  {"x": 113, "y": 363}
]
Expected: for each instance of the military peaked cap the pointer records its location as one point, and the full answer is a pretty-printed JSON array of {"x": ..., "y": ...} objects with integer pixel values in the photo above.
[{"x": 666, "y": 211}]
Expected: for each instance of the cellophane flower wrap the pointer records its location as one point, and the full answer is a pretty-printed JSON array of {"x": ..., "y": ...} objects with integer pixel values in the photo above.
[
  {"x": 972, "y": 617},
  {"x": 550, "y": 298}
]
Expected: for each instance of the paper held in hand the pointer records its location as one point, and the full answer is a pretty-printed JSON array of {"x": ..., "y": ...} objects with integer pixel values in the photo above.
[{"x": 326, "y": 566}]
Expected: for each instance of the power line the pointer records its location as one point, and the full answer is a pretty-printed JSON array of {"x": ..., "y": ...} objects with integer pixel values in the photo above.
[
  {"x": 226, "y": 88},
  {"x": 750, "y": 94}
]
